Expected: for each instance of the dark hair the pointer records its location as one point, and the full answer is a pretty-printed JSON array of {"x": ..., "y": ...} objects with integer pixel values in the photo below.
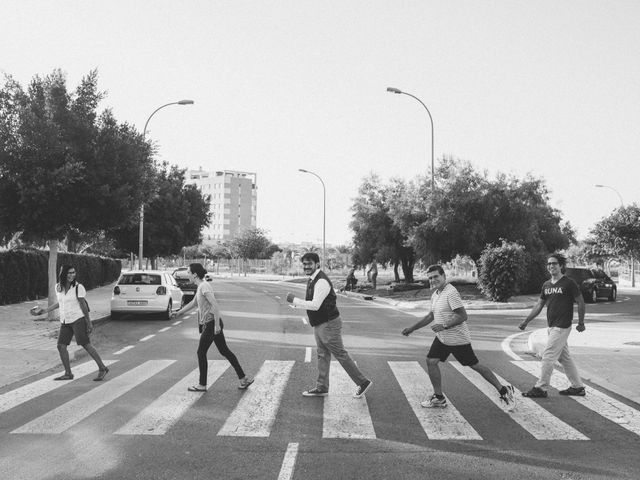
[
  {"x": 562, "y": 260},
  {"x": 435, "y": 268},
  {"x": 310, "y": 256},
  {"x": 197, "y": 269},
  {"x": 62, "y": 276}
]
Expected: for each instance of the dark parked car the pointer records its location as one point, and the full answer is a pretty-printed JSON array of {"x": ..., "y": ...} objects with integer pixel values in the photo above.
[
  {"x": 181, "y": 275},
  {"x": 593, "y": 283}
]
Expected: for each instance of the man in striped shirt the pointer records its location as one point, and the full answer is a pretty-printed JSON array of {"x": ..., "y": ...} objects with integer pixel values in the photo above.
[{"x": 452, "y": 337}]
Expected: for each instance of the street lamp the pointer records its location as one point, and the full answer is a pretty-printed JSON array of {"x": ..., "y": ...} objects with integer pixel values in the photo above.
[
  {"x": 633, "y": 260},
  {"x": 144, "y": 134},
  {"x": 324, "y": 213},
  {"x": 398, "y": 91}
]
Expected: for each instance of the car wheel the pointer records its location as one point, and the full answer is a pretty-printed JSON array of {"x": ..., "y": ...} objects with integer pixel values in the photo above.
[
  {"x": 614, "y": 294},
  {"x": 594, "y": 296},
  {"x": 167, "y": 314}
]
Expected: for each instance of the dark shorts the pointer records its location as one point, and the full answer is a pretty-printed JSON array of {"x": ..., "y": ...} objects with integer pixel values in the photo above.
[
  {"x": 463, "y": 353},
  {"x": 77, "y": 328}
]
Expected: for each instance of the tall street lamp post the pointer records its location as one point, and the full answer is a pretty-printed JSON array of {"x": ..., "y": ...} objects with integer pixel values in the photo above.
[
  {"x": 324, "y": 214},
  {"x": 633, "y": 260},
  {"x": 398, "y": 91},
  {"x": 144, "y": 134}
]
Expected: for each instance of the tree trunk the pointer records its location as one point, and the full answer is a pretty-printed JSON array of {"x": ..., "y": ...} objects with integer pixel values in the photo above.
[
  {"x": 407, "y": 270},
  {"x": 395, "y": 271},
  {"x": 53, "y": 261}
]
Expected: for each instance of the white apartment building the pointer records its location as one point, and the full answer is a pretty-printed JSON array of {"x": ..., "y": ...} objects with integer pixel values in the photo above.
[{"x": 233, "y": 204}]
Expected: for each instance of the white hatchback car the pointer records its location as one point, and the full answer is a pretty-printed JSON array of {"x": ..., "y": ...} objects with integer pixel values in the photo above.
[{"x": 145, "y": 291}]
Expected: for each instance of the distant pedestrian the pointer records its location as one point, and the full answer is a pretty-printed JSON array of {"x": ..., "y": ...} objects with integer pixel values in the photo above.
[
  {"x": 211, "y": 329},
  {"x": 74, "y": 321},
  {"x": 372, "y": 273},
  {"x": 351, "y": 280},
  {"x": 449, "y": 319},
  {"x": 324, "y": 317},
  {"x": 558, "y": 294}
]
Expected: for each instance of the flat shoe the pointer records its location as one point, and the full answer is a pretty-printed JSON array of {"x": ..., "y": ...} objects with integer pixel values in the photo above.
[
  {"x": 66, "y": 376},
  {"x": 197, "y": 388},
  {"x": 101, "y": 375}
]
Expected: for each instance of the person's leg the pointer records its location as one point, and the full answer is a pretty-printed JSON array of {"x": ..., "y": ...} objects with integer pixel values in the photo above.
[
  {"x": 555, "y": 344},
  {"x": 221, "y": 345},
  {"x": 488, "y": 375},
  {"x": 324, "y": 357},
  {"x": 82, "y": 339},
  {"x": 570, "y": 368},
  {"x": 64, "y": 339},
  {"x": 333, "y": 340},
  {"x": 433, "y": 369},
  {"x": 206, "y": 339}
]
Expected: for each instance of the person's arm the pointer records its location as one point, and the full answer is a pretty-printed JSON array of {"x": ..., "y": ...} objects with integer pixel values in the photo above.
[
  {"x": 537, "y": 308},
  {"x": 85, "y": 311},
  {"x": 426, "y": 320},
  {"x": 581, "y": 311},
  {"x": 186, "y": 308},
  {"x": 459, "y": 316},
  {"x": 320, "y": 292},
  {"x": 40, "y": 310}
]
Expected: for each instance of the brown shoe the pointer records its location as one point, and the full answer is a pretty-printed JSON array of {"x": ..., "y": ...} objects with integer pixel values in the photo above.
[{"x": 101, "y": 375}]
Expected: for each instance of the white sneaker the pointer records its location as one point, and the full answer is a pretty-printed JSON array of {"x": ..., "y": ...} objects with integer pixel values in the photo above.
[
  {"x": 509, "y": 399},
  {"x": 434, "y": 402}
]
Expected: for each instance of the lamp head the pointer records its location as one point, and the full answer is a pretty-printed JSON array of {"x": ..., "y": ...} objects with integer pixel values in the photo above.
[
  {"x": 303, "y": 170},
  {"x": 185, "y": 102},
  {"x": 393, "y": 90}
]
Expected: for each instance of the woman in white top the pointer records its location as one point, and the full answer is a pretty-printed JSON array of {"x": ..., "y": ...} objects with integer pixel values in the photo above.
[
  {"x": 211, "y": 329},
  {"x": 74, "y": 320}
]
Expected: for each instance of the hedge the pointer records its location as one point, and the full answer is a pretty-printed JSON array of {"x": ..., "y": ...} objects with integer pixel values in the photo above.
[{"x": 24, "y": 273}]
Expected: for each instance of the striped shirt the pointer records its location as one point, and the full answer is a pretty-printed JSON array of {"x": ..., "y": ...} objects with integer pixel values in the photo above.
[{"x": 442, "y": 305}]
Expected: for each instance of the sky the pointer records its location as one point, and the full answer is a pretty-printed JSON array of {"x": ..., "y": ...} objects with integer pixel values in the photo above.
[{"x": 548, "y": 88}]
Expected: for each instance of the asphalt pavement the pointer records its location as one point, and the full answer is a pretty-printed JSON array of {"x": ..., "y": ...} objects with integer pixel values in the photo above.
[{"x": 607, "y": 353}]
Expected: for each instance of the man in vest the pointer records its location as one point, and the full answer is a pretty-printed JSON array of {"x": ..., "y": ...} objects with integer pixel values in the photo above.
[{"x": 324, "y": 317}]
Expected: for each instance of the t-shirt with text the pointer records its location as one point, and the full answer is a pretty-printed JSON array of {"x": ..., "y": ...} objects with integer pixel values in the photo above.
[{"x": 559, "y": 298}]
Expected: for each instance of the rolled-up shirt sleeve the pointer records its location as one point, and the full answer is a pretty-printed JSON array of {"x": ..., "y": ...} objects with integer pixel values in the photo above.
[{"x": 320, "y": 292}]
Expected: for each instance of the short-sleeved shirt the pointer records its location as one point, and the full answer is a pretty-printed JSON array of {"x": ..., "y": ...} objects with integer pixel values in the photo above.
[
  {"x": 559, "y": 298},
  {"x": 204, "y": 306},
  {"x": 442, "y": 305},
  {"x": 70, "y": 310}
]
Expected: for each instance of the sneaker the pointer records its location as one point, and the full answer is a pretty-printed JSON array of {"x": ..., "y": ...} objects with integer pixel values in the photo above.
[
  {"x": 508, "y": 398},
  {"x": 362, "y": 389},
  {"x": 535, "y": 392},
  {"x": 434, "y": 402},
  {"x": 574, "y": 391},
  {"x": 245, "y": 382},
  {"x": 315, "y": 392}
]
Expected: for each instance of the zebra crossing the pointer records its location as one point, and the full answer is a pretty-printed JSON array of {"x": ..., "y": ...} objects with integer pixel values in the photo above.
[{"x": 343, "y": 416}]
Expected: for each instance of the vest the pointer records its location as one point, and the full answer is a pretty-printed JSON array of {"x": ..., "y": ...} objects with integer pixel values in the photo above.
[{"x": 328, "y": 310}]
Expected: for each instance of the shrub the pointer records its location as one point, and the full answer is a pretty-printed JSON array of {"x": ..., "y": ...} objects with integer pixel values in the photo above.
[{"x": 502, "y": 271}]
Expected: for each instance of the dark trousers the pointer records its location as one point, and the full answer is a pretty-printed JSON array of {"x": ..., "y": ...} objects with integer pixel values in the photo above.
[{"x": 207, "y": 337}]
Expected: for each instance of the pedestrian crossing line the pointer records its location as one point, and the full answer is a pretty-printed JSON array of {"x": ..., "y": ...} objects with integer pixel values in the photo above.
[
  {"x": 67, "y": 415},
  {"x": 168, "y": 408},
  {"x": 601, "y": 403},
  {"x": 438, "y": 423},
  {"x": 288, "y": 462},
  {"x": 345, "y": 416},
  {"x": 40, "y": 387},
  {"x": 256, "y": 412},
  {"x": 528, "y": 414},
  {"x": 307, "y": 354}
]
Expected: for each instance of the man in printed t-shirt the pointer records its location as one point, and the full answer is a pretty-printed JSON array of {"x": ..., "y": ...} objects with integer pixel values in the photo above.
[
  {"x": 558, "y": 294},
  {"x": 449, "y": 319}
]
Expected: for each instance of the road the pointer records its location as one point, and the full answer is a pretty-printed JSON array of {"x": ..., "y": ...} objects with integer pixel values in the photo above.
[{"x": 141, "y": 423}]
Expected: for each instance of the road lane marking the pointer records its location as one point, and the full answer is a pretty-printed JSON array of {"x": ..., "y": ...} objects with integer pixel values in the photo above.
[
  {"x": 438, "y": 423},
  {"x": 256, "y": 412},
  {"x": 144, "y": 339},
  {"x": 345, "y": 416},
  {"x": 30, "y": 391},
  {"x": 168, "y": 408},
  {"x": 164, "y": 329},
  {"x": 177, "y": 323},
  {"x": 288, "y": 462},
  {"x": 256, "y": 315},
  {"x": 506, "y": 346},
  {"x": 610, "y": 408},
  {"x": 122, "y": 350},
  {"x": 307, "y": 354},
  {"x": 528, "y": 414},
  {"x": 67, "y": 415},
  {"x": 304, "y": 320}
]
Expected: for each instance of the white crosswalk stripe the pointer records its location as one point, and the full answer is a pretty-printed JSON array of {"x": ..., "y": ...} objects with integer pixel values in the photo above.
[
  {"x": 610, "y": 408},
  {"x": 76, "y": 410},
  {"x": 528, "y": 414},
  {"x": 344, "y": 415},
  {"x": 166, "y": 410},
  {"x": 30, "y": 391},
  {"x": 438, "y": 423},
  {"x": 256, "y": 412}
]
